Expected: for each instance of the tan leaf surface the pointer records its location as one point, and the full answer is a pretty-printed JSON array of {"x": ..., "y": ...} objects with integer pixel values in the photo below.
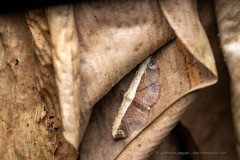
[
  {"x": 96, "y": 44},
  {"x": 30, "y": 117}
]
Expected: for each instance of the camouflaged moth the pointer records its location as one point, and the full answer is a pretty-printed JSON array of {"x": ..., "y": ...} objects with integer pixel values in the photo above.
[{"x": 138, "y": 99}]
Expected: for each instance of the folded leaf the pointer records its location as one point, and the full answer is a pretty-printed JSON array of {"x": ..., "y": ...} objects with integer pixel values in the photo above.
[
  {"x": 66, "y": 60},
  {"x": 186, "y": 64},
  {"x": 113, "y": 38}
]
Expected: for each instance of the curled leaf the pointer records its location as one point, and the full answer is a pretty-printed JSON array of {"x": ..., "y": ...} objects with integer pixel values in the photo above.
[
  {"x": 228, "y": 13},
  {"x": 186, "y": 64},
  {"x": 67, "y": 68},
  {"x": 113, "y": 38}
]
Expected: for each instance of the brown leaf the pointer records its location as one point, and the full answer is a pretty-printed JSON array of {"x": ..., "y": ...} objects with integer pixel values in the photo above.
[
  {"x": 209, "y": 120},
  {"x": 30, "y": 126},
  {"x": 114, "y": 37},
  {"x": 39, "y": 28},
  {"x": 185, "y": 65},
  {"x": 228, "y": 13}
]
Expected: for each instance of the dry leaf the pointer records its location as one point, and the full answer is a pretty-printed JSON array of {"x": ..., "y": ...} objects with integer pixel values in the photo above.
[
  {"x": 96, "y": 44},
  {"x": 186, "y": 79},
  {"x": 228, "y": 13},
  {"x": 113, "y": 38},
  {"x": 30, "y": 117},
  {"x": 209, "y": 120},
  {"x": 66, "y": 60},
  {"x": 181, "y": 72},
  {"x": 38, "y": 25}
]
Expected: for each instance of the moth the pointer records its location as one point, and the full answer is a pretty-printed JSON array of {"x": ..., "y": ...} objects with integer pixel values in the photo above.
[{"x": 142, "y": 93}]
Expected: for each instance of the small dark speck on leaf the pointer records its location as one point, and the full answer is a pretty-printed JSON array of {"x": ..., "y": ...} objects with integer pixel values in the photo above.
[
  {"x": 60, "y": 143},
  {"x": 16, "y": 62},
  {"x": 121, "y": 92},
  {"x": 51, "y": 117}
]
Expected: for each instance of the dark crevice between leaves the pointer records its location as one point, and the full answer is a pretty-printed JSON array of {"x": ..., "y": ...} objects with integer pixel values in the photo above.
[
  {"x": 23, "y": 5},
  {"x": 186, "y": 143}
]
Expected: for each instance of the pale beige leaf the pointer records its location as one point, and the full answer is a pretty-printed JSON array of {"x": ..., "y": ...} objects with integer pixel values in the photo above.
[{"x": 66, "y": 60}]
